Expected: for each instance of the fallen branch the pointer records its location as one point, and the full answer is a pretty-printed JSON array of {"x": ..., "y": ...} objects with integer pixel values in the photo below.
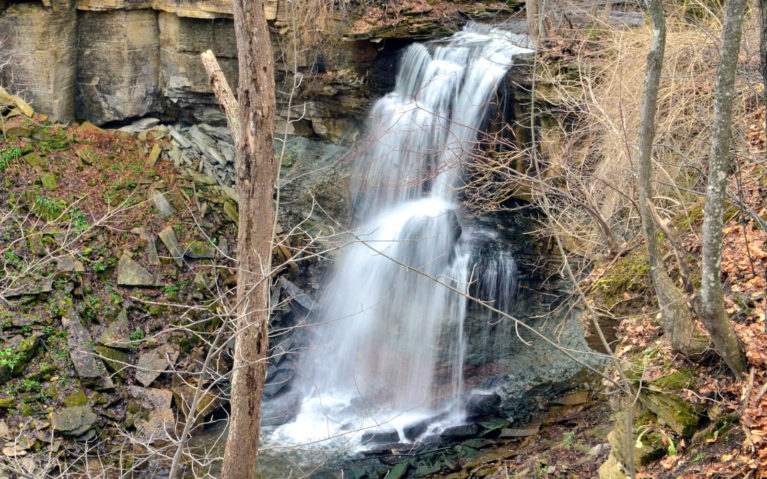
[{"x": 223, "y": 93}]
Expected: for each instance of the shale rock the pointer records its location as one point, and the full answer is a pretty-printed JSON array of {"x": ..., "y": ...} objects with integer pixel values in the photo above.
[{"x": 130, "y": 273}]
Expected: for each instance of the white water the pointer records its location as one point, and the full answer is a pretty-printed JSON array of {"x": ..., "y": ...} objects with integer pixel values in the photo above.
[{"x": 389, "y": 348}]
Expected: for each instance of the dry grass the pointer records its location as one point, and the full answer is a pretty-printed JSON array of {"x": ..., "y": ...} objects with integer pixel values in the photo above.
[{"x": 595, "y": 78}]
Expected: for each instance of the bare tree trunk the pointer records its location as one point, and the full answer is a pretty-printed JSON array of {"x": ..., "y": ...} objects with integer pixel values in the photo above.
[
  {"x": 763, "y": 44},
  {"x": 256, "y": 175},
  {"x": 677, "y": 317},
  {"x": 531, "y": 8},
  {"x": 223, "y": 93},
  {"x": 719, "y": 168}
]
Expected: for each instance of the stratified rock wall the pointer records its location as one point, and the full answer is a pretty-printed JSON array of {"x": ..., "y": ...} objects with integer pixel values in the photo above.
[
  {"x": 40, "y": 45},
  {"x": 114, "y": 60},
  {"x": 117, "y": 65},
  {"x": 183, "y": 81}
]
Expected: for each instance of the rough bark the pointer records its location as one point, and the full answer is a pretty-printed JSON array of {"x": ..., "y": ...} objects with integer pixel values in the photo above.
[
  {"x": 223, "y": 93},
  {"x": 531, "y": 9},
  {"x": 763, "y": 43},
  {"x": 676, "y": 316},
  {"x": 256, "y": 176},
  {"x": 713, "y": 314}
]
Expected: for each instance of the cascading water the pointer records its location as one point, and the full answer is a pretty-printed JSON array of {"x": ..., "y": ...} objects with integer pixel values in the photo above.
[{"x": 389, "y": 345}]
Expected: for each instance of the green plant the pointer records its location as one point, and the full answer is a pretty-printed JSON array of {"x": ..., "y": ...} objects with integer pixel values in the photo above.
[
  {"x": 136, "y": 336},
  {"x": 569, "y": 437},
  {"x": 79, "y": 220},
  {"x": 9, "y": 358},
  {"x": 48, "y": 208},
  {"x": 8, "y": 154},
  {"x": 171, "y": 289}
]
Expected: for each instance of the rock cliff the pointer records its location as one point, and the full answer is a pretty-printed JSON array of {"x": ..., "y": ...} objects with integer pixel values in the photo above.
[{"x": 114, "y": 60}]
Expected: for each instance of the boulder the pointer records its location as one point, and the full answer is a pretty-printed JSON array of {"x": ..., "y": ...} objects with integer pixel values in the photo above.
[
  {"x": 73, "y": 421},
  {"x": 168, "y": 238},
  {"x": 118, "y": 333},
  {"x": 130, "y": 273},
  {"x": 90, "y": 369},
  {"x": 383, "y": 435},
  {"x": 151, "y": 364}
]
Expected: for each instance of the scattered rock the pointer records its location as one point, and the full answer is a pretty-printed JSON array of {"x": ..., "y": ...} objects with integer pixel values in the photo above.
[
  {"x": 151, "y": 398},
  {"x": 31, "y": 287},
  {"x": 118, "y": 333},
  {"x": 130, "y": 273},
  {"x": 380, "y": 436},
  {"x": 48, "y": 181},
  {"x": 162, "y": 204},
  {"x": 415, "y": 430},
  {"x": 460, "y": 432},
  {"x": 153, "y": 155},
  {"x": 115, "y": 360},
  {"x": 73, "y": 421},
  {"x": 68, "y": 264},
  {"x": 14, "y": 450},
  {"x": 158, "y": 426},
  {"x": 140, "y": 125},
  {"x": 153, "y": 363},
  {"x": 482, "y": 404},
  {"x": 168, "y": 238},
  {"x": 297, "y": 295},
  {"x": 519, "y": 432},
  {"x": 200, "y": 250},
  {"x": 89, "y": 368},
  {"x": 5, "y": 431},
  {"x": 207, "y": 402},
  {"x": 22, "y": 350}
]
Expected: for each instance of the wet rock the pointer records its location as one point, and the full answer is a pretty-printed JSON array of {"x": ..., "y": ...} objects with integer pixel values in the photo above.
[
  {"x": 297, "y": 295},
  {"x": 460, "y": 432},
  {"x": 482, "y": 404},
  {"x": 281, "y": 410},
  {"x": 279, "y": 379},
  {"x": 88, "y": 366},
  {"x": 162, "y": 204},
  {"x": 493, "y": 427},
  {"x": 415, "y": 430},
  {"x": 380, "y": 436},
  {"x": 152, "y": 364},
  {"x": 73, "y": 421},
  {"x": 118, "y": 332},
  {"x": 130, "y": 273},
  {"x": 168, "y": 238}
]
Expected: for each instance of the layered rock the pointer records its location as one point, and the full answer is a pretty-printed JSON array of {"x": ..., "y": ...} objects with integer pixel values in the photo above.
[
  {"x": 114, "y": 60},
  {"x": 39, "y": 46},
  {"x": 117, "y": 65}
]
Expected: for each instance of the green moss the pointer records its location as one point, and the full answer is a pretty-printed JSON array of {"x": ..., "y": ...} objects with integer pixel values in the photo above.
[
  {"x": 78, "y": 398},
  {"x": 682, "y": 379},
  {"x": 631, "y": 274}
]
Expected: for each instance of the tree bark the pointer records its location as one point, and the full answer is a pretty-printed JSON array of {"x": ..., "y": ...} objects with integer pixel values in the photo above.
[
  {"x": 676, "y": 315},
  {"x": 713, "y": 314},
  {"x": 531, "y": 9},
  {"x": 256, "y": 175},
  {"x": 223, "y": 93},
  {"x": 763, "y": 44}
]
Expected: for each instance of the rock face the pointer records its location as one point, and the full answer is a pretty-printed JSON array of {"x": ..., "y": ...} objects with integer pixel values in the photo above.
[
  {"x": 114, "y": 60},
  {"x": 41, "y": 45},
  {"x": 117, "y": 79}
]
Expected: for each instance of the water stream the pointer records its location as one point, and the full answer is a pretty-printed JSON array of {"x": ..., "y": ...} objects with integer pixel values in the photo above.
[{"x": 389, "y": 346}]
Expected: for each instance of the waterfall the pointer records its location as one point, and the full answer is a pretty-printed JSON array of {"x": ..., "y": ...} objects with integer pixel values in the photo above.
[{"x": 389, "y": 343}]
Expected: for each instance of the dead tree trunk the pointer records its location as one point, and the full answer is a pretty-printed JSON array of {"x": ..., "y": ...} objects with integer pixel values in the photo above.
[
  {"x": 531, "y": 9},
  {"x": 256, "y": 175},
  {"x": 719, "y": 168},
  {"x": 677, "y": 317},
  {"x": 223, "y": 93},
  {"x": 763, "y": 43}
]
